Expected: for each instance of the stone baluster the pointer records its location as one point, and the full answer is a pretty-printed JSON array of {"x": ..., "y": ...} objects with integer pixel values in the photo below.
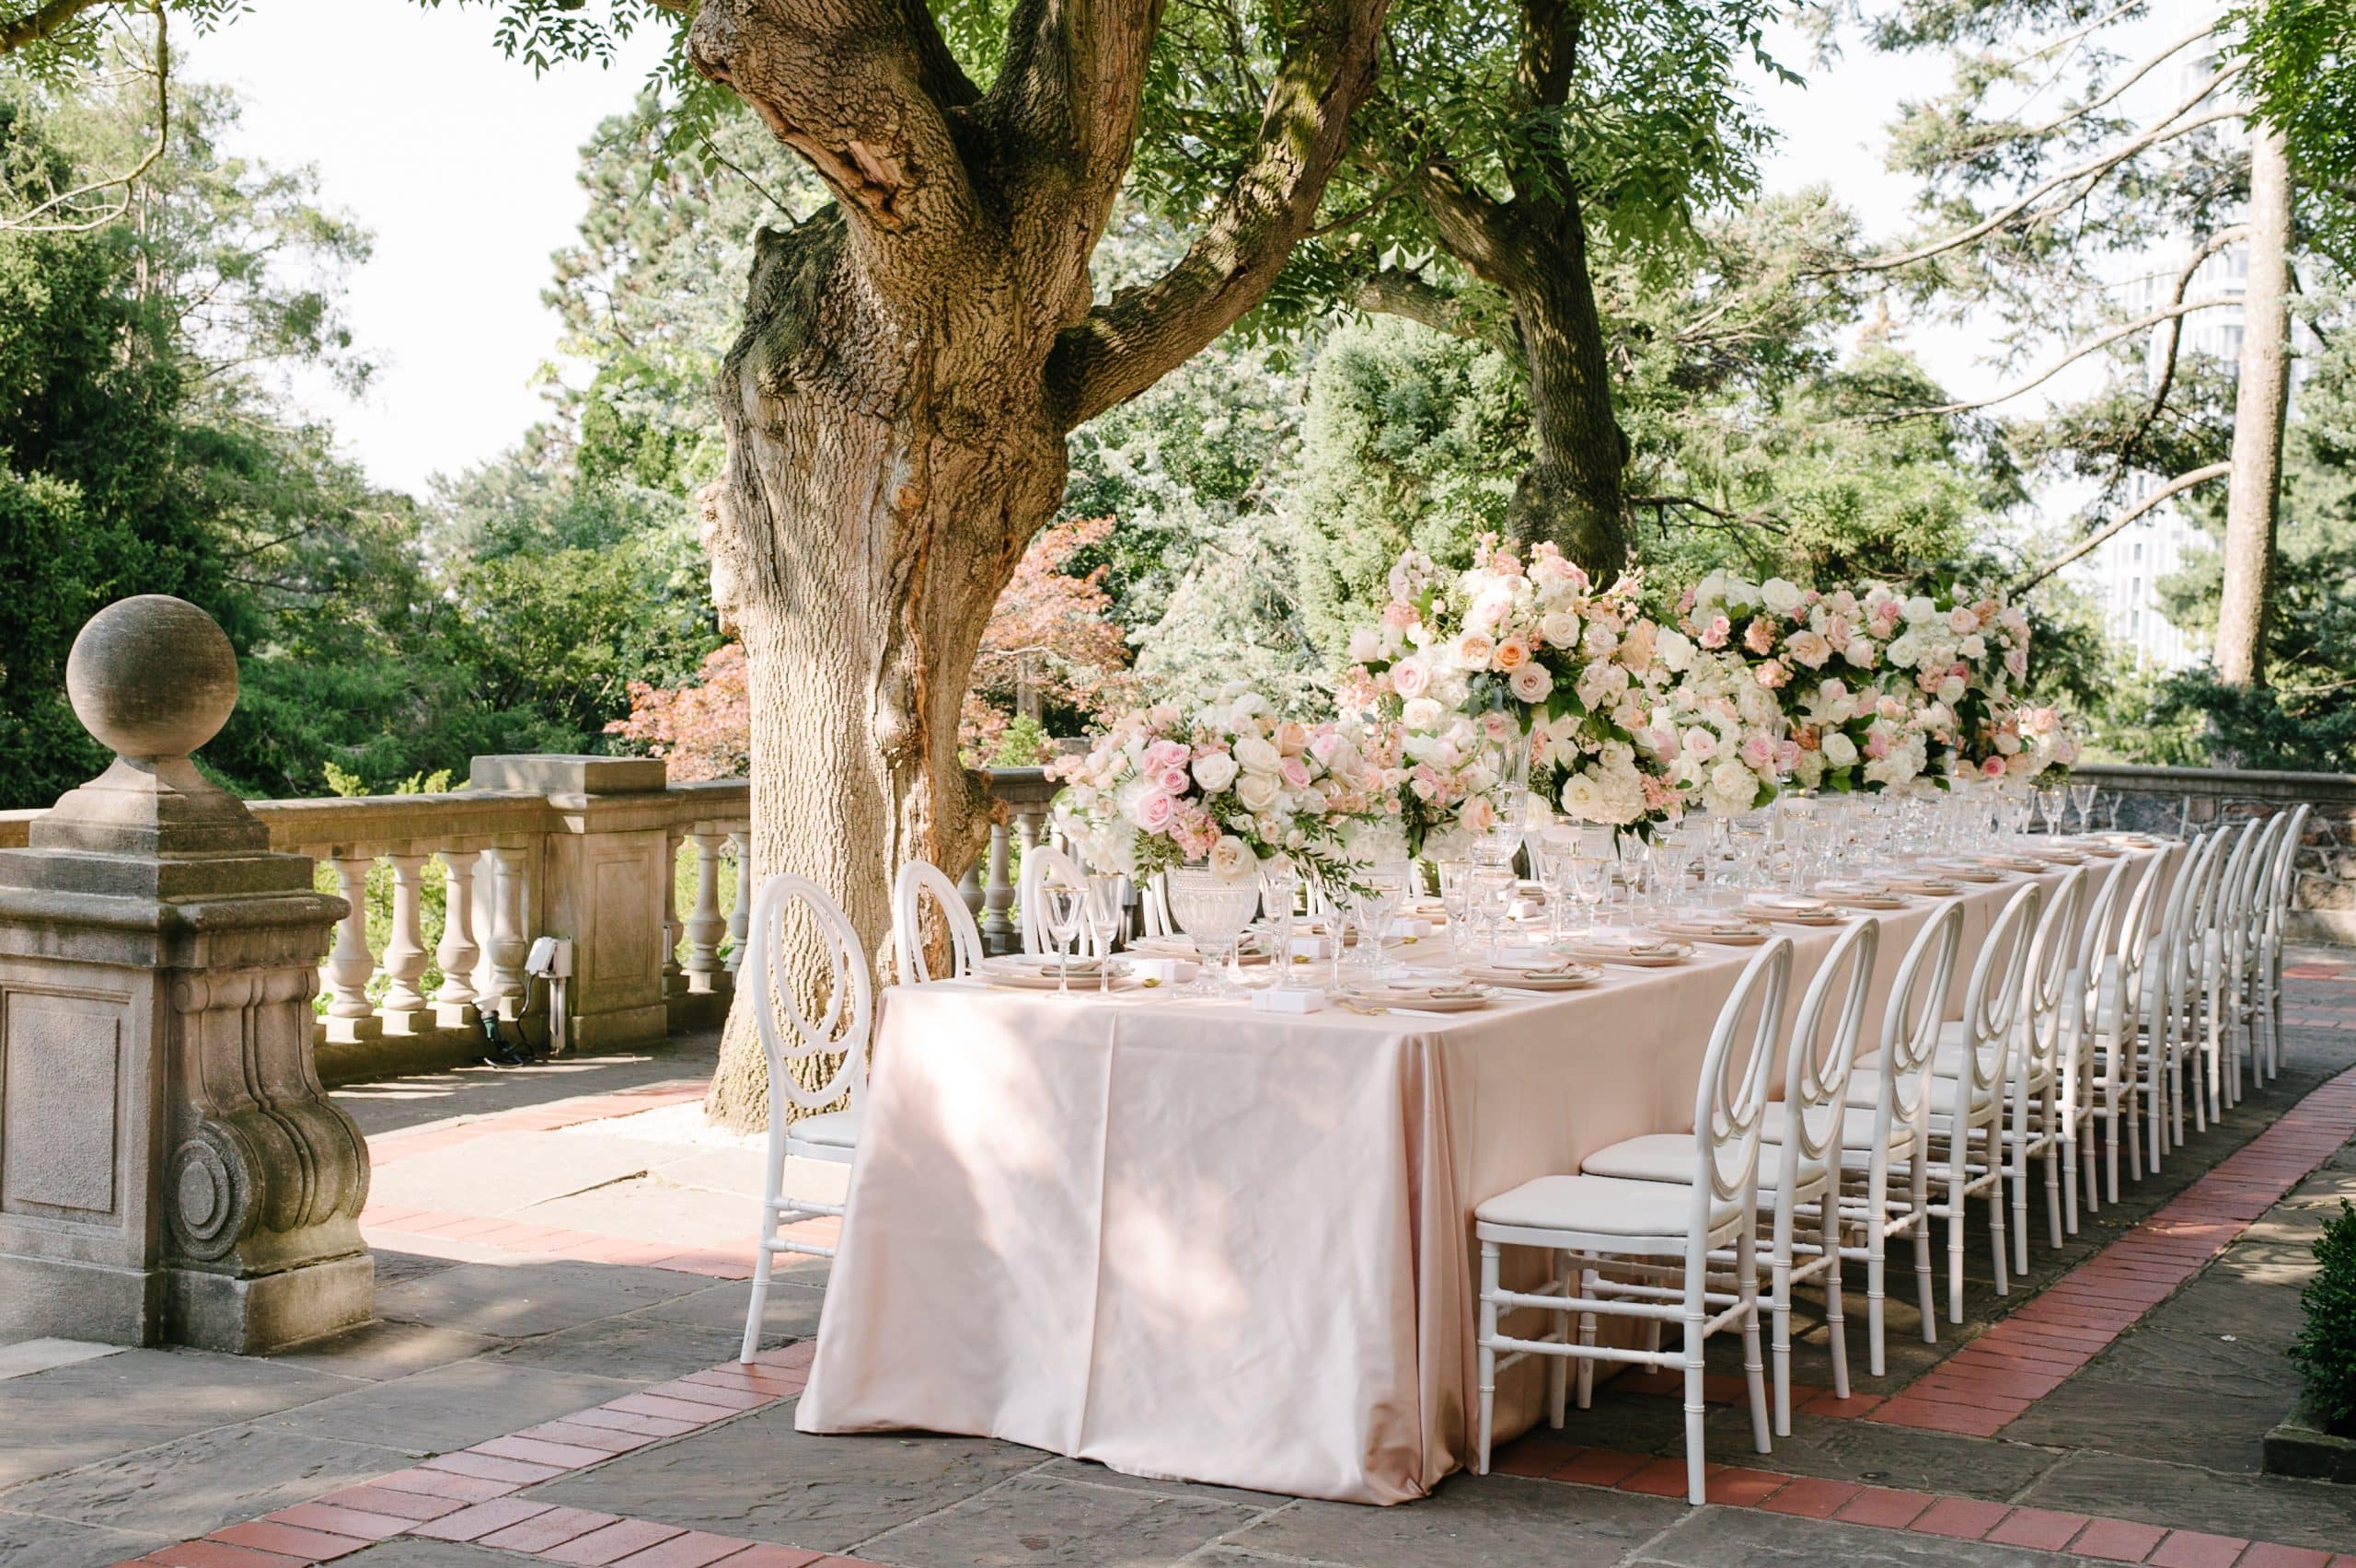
[
  {"x": 674, "y": 980},
  {"x": 997, "y": 895},
  {"x": 705, "y": 926},
  {"x": 1027, "y": 823},
  {"x": 350, "y": 1017},
  {"x": 404, "y": 1010},
  {"x": 454, "y": 1004},
  {"x": 740, "y": 913},
  {"x": 508, "y": 945}
]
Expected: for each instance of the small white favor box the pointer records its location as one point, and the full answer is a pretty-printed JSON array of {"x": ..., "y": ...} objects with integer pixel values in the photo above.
[
  {"x": 1312, "y": 947},
  {"x": 1166, "y": 970},
  {"x": 1288, "y": 999},
  {"x": 1408, "y": 928}
]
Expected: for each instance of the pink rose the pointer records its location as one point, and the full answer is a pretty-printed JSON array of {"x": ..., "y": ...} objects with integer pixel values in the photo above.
[
  {"x": 1499, "y": 728},
  {"x": 1961, "y": 621},
  {"x": 1772, "y": 675},
  {"x": 1992, "y": 768},
  {"x": 1155, "y": 812},
  {"x": 1474, "y": 650},
  {"x": 1810, "y": 648},
  {"x": 1409, "y": 677},
  {"x": 1165, "y": 755},
  {"x": 1759, "y": 751},
  {"x": 1758, "y": 636},
  {"x": 1399, "y": 613},
  {"x": 1876, "y": 742},
  {"x": 1174, "y": 781},
  {"x": 1532, "y": 684},
  {"x": 1714, "y": 634},
  {"x": 1295, "y": 773},
  {"x": 1323, "y": 744}
]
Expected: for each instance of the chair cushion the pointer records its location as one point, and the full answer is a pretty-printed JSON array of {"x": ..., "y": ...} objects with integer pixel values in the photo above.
[
  {"x": 1668, "y": 1156},
  {"x": 1601, "y": 1205},
  {"x": 835, "y": 1129}
]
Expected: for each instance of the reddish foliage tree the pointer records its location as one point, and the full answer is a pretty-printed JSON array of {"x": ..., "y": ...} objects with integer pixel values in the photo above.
[{"x": 1049, "y": 629}]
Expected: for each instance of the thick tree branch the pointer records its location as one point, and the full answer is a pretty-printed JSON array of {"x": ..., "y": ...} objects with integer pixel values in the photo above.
[
  {"x": 1123, "y": 347},
  {"x": 2164, "y": 382},
  {"x": 43, "y": 22},
  {"x": 1073, "y": 83},
  {"x": 860, "y": 88},
  {"x": 2093, "y": 541},
  {"x": 1405, "y": 295}
]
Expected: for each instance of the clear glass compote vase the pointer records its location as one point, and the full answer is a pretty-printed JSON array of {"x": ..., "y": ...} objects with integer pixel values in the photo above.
[{"x": 1213, "y": 910}]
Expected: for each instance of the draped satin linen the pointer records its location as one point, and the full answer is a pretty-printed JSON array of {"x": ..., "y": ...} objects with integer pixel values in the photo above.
[{"x": 1190, "y": 1240}]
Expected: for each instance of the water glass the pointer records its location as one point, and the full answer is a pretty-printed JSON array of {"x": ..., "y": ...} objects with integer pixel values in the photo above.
[
  {"x": 1213, "y": 910},
  {"x": 1456, "y": 897},
  {"x": 2050, "y": 805},
  {"x": 1375, "y": 900},
  {"x": 2082, "y": 796},
  {"x": 1061, "y": 907},
  {"x": 1279, "y": 887}
]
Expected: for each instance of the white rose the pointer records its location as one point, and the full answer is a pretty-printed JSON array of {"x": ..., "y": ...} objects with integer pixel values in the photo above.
[
  {"x": 1582, "y": 798},
  {"x": 1421, "y": 713},
  {"x": 1258, "y": 791},
  {"x": 1974, "y": 647},
  {"x": 1732, "y": 787},
  {"x": 1779, "y": 595},
  {"x": 1951, "y": 690},
  {"x": 1214, "y": 772},
  {"x": 1530, "y": 684},
  {"x": 1920, "y": 608},
  {"x": 1559, "y": 628},
  {"x": 1231, "y": 860},
  {"x": 1839, "y": 749},
  {"x": 1258, "y": 756},
  {"x": 1674, "y": 650}
]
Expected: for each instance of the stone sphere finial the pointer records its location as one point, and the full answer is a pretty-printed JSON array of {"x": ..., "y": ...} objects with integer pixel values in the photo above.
[{"x": 152, "y": 676}]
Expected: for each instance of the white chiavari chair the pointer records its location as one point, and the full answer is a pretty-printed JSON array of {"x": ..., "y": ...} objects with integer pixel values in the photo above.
[
  {"x": 1652, "y": 1230},
  {"x": 2181, "y": 991},
  {"x": 2081, "y": 1006},
  {"x": 917, "y": 881},
  {"x": 1966, "y": 1153},
  {"x": 1891, "y": 1141},
  {"x": 2035, "y": 1130},
  {"x": 2122, "y": 1004},
  {"x": 794, "y": 914},
  {"x": 2213, "y": 961},
  {"x": 2281, "y": 884},
  {"x": 1799, "y": 1169}
]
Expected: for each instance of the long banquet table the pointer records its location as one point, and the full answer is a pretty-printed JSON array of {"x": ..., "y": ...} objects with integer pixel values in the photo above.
[{"x": 1189, "y": 1239}]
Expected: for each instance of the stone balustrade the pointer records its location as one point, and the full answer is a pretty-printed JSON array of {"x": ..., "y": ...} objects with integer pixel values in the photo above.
[{"x": 596, "y": 849}]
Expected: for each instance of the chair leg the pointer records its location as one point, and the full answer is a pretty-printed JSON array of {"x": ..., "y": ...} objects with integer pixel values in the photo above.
[
  {"x": 1754, "y": 1372},
  {"x": 2020, "y": 1202},
  {"x": 1955, "y": 1241},
  {"x": 1696, "y": 1410},
  {"x": 1488, "y": 1355},
  {"x": 1877, "y": 1246},
  {"x": 1836, "y": 1327},
  {"x": 1922, "y": 1292},
  {"x": 1587, "y": 1337},
  {"x": 2054, "y": 1132},
  {"x": 762, "y": 1259},
  {"x": 1780, "y": 1306},
  {"x": 1559, "y": 1367},
  {"x": 1996, "y": 1206}
]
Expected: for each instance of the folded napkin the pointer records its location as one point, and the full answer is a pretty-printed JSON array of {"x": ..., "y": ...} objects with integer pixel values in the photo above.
[
  {"x": 1714, "y": 927},
  {"x": 1793, "y": 905}
]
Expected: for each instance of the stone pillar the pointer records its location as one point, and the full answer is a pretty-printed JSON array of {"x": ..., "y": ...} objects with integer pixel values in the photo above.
[{"x": 170, "y": 1171}]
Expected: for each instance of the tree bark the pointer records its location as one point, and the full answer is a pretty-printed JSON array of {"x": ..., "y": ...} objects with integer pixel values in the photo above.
[
  {"x": 2261, "y": 403},
  {"x": 911, "y": 361},
  {"x": 1571, "y": 492}
]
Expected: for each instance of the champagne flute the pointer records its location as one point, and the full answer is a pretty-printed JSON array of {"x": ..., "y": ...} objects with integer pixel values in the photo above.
[
  {"x": 1105, "y": 903},
  {"x": 1060, "y": 906}
]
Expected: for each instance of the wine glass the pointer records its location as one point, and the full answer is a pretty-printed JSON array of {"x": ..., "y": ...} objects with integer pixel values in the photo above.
[
  {"x": 1105, "y": 903},
  {"x": 1375, "y": 898},
  {"x": 1456, "y": 897},
  {"x": 1589, "y": 878},
  {"x": 2050, "y": 805},
  {"x": 1492, "y": 894},
  {"x": 1061, "y": 906},
  {"x": 1672, "y": 855},
  {"x": 2082, "y": 796}
]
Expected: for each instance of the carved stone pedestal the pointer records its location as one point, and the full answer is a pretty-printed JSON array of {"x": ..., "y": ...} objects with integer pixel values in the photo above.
[{"x": 171, "y": 1170}]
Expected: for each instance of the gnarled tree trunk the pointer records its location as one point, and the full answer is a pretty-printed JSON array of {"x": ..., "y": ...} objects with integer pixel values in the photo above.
[
  {"x": 911, "y": 363},
  {"x": 1571, "y": 491}
]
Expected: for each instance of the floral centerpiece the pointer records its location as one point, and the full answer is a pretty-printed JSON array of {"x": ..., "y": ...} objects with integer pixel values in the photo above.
[
  {"x": 1732, "y": 749},
  {"x": 1231, "y": 785},
  {"x": 1551, "y": 680},
  {"x": 1962, "y": 658},
  {"x": 2027, "y": 742}
]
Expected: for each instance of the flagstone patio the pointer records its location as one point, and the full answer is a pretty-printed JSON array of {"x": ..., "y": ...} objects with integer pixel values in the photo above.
[{"x": 560, "y": 1255}]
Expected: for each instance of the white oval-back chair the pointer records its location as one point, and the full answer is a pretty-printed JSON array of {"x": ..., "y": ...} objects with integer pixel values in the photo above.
[
  {"x": 796, "y": 909},
  {"x": 917, "y": 881}
]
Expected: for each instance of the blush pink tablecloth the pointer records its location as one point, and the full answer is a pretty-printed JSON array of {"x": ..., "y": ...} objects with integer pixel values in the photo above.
[{"x": 1191, "y": 1241}]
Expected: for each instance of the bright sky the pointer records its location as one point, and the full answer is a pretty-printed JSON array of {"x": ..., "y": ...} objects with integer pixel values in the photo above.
[{"x": 463, "y": 166}]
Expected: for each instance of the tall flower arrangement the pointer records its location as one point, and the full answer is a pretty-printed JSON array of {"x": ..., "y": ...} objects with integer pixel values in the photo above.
[
  {"x": 1963, "y": 658},
  {"x": 1531, "y": 665},
  {"x": 1231, "y": 784}
]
